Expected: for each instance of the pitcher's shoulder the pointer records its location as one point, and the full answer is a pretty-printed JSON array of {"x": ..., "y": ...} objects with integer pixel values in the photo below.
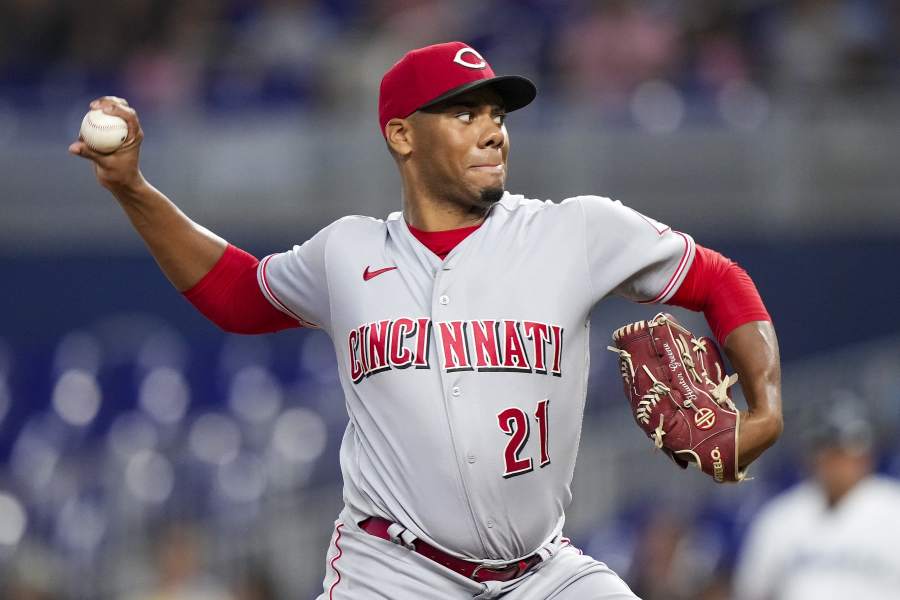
[
  {"x": 522, "y": 206},
  {"x": 353, "y": 226}
]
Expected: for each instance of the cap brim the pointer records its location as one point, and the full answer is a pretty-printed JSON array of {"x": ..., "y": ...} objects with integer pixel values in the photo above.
[{"x": 515, "y": 91}]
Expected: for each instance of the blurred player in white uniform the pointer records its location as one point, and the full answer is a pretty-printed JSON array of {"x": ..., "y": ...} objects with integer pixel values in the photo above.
[{"x": 834, "y": 536}]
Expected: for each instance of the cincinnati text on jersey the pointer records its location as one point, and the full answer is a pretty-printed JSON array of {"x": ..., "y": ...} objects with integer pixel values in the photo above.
[{"x": 504, "y": 345}]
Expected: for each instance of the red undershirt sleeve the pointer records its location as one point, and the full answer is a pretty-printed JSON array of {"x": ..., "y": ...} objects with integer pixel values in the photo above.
[
  {"x": 724, "y": 292},
  {"x": 230, "y": 297}
]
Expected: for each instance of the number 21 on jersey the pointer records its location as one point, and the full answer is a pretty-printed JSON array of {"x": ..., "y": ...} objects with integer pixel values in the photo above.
[{"x": 515, "y": 423}]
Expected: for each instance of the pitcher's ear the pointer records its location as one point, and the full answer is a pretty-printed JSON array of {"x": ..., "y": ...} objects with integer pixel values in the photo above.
[{"x": 398, "y": 134}]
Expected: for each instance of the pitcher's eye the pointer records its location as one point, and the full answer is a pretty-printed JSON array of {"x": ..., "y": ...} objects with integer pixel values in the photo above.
[
  {"x": 465, "y": 117},
  {"x": 500, "y": 119}
]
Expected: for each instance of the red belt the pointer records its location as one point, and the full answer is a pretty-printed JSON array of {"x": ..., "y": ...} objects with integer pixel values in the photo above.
[{"x": 478, "y": 572}]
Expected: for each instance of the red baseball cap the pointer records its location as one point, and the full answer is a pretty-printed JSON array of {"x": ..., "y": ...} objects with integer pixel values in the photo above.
[{"x": 432, "y": 74}]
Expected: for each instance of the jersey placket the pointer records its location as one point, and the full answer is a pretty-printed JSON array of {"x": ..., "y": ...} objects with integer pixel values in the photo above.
[{"x": 447, "y": 300}]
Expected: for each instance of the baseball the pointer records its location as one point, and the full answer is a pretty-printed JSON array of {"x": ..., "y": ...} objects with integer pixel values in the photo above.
[{"x": 102, "y": 132}]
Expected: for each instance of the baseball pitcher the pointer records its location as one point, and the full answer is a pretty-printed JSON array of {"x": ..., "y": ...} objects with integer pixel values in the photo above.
[{"x": 461, "y": 326}]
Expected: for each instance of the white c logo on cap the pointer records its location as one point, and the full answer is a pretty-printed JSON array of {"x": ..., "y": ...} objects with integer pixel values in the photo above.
[{"x": 458, "y": 59}]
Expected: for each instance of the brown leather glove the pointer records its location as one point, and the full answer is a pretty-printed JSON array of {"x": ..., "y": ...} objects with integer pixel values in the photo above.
[{"x": 679, "y": 394}]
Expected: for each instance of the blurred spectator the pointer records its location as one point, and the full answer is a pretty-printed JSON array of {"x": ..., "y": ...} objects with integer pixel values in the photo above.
[
  {"x": 166, "y": 70},
  {"x": 33, "y": 573},
  {"x": 180, "y": 569},
  {"x": 716, "y": 588},
  {"x": 255, "y": 584},
  {"x": 326, "y": 54},
  {"x": 718, "y": 56},
  {"x": 618, "y": 44},
  {"x": 827, "y": 43},
  {"x": 273, "y": 56},
  {"x": 389, "y": 30},
  {"x": 833, "y": 536},
  {"x": 23, "y": 591},
  {"x": 674, "y": 560}
]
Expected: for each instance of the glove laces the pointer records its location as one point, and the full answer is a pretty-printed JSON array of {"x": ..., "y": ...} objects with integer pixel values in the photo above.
[
  {"x": 719, "y": 390},
  {"x": 626, "y": 365},
  {"x": 658, "y": 433},
  {"x": 651, "y": 398}
]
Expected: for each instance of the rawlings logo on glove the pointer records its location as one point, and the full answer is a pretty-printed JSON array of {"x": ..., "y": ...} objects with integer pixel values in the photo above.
[{"x": 680, "y": 395}]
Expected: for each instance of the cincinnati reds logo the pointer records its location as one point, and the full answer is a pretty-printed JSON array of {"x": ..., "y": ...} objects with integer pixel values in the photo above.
[
  {"x": 704, "y": 418},
  {"x": 458, "y": 59}
]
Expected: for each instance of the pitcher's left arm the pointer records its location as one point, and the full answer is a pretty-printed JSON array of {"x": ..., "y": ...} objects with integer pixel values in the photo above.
[{"x": 729, "y": 300}]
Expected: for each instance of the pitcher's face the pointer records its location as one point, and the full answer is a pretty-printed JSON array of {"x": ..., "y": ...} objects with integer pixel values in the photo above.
[{"x": 461, "y": 148}]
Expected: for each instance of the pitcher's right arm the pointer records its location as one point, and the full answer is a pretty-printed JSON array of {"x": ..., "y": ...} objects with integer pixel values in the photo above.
[
  {"x": 217, "y": 278},
  {"x": 184, "y": 250}
]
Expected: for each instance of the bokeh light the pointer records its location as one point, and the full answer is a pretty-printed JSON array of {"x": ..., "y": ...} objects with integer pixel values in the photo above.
[
  {"x": 81, "y": 525},
  {"x": 80, "y": 351},
  {"x": 242, "y": 479},
  {"x": 13, "y": 520},
  {"x": 34, "y": 458},
  {"x": 131, "y": 433},
  {"x": 255, "y": 395},
  {"x": 299, "y": 435},
  {"x": 164, "y": 395},
  {"x": 76, "y": 397},
  {"x": 215, "y": 438},
  {"x": 163, "y": 348},
  {"x": 743, "y": 105},
  {"x": 658, "y": 107},
  {"x": 150, "y": 477}
]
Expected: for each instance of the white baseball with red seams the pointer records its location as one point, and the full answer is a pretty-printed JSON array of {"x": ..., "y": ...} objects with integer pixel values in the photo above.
[
  {"x": 465, "y": 379},
  {"x": 103, "y": 132}
]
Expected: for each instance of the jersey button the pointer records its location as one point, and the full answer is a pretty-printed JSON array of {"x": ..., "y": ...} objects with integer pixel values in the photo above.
[
  {"x": 471, "y": 459},
  {"x": 456, "y": 391},
  {"x": 444, "y": 300},
  {"x": 490, "y": 524}
]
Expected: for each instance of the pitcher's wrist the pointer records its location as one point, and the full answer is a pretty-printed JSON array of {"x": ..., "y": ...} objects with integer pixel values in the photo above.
[{"x": 129, "y": 189}]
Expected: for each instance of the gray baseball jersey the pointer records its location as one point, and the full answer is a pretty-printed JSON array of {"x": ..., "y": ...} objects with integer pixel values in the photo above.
[{"x": 465, "y": 379}]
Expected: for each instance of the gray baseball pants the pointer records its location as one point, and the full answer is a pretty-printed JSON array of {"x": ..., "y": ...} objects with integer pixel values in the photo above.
[{"x": 360, "y": 566}]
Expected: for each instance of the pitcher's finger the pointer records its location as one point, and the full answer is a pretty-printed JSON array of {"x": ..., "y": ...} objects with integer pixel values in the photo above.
[
  {"x": 127, "y": 114},
  {"x": 81, "y": 149},
  {"x": 102, "y": 100}
]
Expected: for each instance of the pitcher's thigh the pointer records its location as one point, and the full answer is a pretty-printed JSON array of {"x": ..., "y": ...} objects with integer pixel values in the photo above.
[
  {"x": 571, "y": 575},
  {"x": 363, "y": 567},
  {"x": 596, "y": 586}
]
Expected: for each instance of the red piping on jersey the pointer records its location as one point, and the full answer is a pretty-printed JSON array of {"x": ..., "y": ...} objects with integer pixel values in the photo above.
[
  {"x": 230, "y": 296},
  {"x": 722, "y": 290},
  {"x": 678, "y": 270},
  {"x": 567, "y": 542},
  {"x": 334, "y": 561},
  {"x": 275, "y": 299}
]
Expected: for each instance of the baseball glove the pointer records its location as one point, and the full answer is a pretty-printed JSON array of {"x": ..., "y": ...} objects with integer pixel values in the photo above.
[{"x": 679, "y": 394}]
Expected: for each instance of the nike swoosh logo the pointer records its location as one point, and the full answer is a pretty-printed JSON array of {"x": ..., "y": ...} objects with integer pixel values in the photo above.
[{"x": 367, "y": 274}]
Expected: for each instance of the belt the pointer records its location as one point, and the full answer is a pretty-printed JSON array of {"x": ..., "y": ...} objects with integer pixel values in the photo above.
[{"x": 475, "y": 571}]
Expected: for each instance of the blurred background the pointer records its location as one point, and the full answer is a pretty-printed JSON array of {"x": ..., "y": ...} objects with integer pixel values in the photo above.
[{"x": 144, "y": 454}]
